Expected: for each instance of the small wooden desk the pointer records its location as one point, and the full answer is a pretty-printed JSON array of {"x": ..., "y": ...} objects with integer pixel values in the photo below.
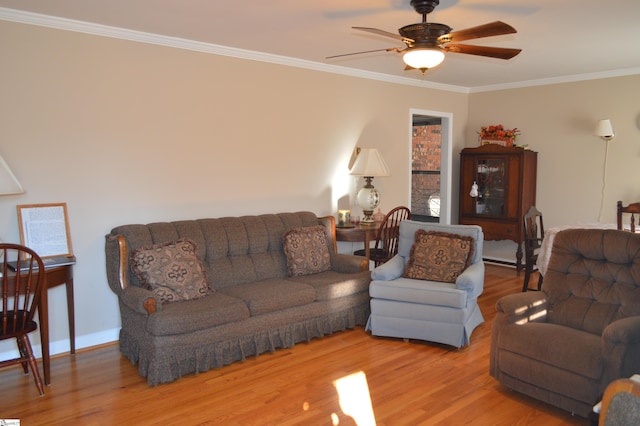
[
  {"x": 359, "y": 233},
  {"x": 54, "y": 277}
]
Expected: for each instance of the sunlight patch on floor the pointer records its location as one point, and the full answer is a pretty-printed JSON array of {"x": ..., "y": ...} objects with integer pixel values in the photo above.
[{"x": 355, "y": 400}]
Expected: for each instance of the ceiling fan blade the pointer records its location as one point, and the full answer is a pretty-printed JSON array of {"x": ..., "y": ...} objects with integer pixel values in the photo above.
[
  {"x": 491, "y": 52},
  {"x": 383, "y": 33},
  {"x": 389, "y": 49},
  {"x": 487, "y": 30}
]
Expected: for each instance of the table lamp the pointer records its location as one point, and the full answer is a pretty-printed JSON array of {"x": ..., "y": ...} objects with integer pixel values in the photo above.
[{"x": 369, "y": 164}]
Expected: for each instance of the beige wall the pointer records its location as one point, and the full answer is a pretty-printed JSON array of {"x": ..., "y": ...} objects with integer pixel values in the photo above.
[
  {"x": 125, "y": 132},
  {"x": 558, "y": 121}
]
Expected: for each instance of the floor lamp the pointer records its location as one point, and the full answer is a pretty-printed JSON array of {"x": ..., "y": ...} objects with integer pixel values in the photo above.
[{"x": 604, "y": 129}]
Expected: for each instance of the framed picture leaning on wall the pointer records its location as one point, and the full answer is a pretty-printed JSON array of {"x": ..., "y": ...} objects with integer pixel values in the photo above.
[{"x": 45, "y": 229}]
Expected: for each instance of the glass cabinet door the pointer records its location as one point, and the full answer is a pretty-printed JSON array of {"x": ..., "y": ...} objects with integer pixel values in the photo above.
[{"x": 490, "y": 177}]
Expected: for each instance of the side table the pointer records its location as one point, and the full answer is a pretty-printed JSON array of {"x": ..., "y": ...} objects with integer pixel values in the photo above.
[
  {"x": 359, "y": 233},
  {"x": 54, "y": 277}
]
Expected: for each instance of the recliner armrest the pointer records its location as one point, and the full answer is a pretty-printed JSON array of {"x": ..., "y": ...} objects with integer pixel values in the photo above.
[
  {"x": 621, "y": 349},
  {"x": 623, "y": 331},
  {"x": 141, "y": 300},
  {"x": 521, "y": 308}
]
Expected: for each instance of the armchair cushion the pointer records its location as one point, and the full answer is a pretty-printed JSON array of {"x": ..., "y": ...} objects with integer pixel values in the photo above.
[
  {"x": 439, "y": 256},
  {"x": 171, "y": 270},
  {"x": 307, "y": 251},
  {"x": 418, "y": 291},
  {"x": 593, "y": 278}
]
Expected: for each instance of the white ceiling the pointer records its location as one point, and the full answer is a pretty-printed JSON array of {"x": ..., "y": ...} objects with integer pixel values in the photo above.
[{"x": 562, "y": 40}]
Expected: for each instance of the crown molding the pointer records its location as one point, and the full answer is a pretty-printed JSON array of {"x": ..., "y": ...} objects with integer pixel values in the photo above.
[
  {"x": 48, "y": 21},
  {"x": 557, "y": 80},
  {"x": 215, "y": 49}
]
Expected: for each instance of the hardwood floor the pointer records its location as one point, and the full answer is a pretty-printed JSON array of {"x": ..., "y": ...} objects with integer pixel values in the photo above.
[{"x": 407, "y": 383}]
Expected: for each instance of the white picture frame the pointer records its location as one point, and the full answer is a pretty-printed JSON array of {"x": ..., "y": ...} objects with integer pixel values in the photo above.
[{"x": 45, "y": 229}]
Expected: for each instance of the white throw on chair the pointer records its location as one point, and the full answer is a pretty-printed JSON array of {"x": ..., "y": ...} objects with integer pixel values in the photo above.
[{"x": 435, "y": 311}]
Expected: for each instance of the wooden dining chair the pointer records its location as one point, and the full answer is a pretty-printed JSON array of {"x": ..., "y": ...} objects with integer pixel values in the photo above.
[
  {"x": 632, "y": 209},
  {"x": 21, "y": 291},
  {"x": 386, "y": 245},
  {"x": 533, "y": 235}
]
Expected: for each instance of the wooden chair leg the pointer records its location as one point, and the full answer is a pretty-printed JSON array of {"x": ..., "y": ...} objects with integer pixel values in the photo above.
[
  {"x": 24, "y": 355},
  {"x": 527, "y": 276},
  {"x": 540, "y": 281},
  {"x": 32, "y": 363}
]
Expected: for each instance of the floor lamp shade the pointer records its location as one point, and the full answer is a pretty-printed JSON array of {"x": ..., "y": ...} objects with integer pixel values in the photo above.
[
  {"x": 9, "y": 184},
  {"x": 369, "y": 164},
  {"x": 604, "y": 129}
]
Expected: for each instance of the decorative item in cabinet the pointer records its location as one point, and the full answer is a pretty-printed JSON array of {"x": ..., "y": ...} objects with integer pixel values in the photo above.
[
  {"x": 498, "y": 135},
  {"x": 505, "y": 188},
  {"x": 498, "y": 141}
]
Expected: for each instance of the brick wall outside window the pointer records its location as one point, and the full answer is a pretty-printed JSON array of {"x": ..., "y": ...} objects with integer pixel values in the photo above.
[{"x": 426, "y": 154}]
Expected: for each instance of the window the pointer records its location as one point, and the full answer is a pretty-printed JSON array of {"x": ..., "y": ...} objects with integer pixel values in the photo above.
[{"x": 426, "y": 160}]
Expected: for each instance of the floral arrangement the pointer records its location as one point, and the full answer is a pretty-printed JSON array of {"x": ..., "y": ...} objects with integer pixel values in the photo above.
[{"x": 498, "y": 132}]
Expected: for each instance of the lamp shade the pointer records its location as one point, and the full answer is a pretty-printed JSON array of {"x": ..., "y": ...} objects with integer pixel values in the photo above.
[
  {"x": 370, "y": 163},
  {"x": 9, "y": 184},
  {"x": 423, "y": 57},
  {"x": 604, "y": 129}
]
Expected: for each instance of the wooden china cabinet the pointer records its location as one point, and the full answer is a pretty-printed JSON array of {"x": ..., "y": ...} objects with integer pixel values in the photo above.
[{"x": 506, "y": 180}]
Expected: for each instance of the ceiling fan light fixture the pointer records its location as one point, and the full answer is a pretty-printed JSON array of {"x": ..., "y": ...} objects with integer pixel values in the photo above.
[{"x": 421, "y": 58}]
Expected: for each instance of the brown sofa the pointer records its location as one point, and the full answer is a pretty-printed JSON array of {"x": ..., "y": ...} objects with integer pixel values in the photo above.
[
  {"x": 256, "y": 305},
  {"x": 565, "y": 344}
]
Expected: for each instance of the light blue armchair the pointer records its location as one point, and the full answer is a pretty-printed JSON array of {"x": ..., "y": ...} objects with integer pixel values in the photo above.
[{"x": 427, "y": 310}]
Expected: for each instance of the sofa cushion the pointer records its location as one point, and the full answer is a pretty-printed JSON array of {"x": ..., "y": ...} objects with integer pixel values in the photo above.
[
  {"x": 307, "y": 251},
  {"x": 331, "y": 285},
  {"x": 210, "y": 311},
  {"x": 266, "y": 296},
  {"x": 172, "y": 270},
  {"x": 439, "y": 256}
]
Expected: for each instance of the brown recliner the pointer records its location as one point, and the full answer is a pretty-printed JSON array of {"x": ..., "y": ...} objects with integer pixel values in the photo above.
[{"x": 565, "y": 344}]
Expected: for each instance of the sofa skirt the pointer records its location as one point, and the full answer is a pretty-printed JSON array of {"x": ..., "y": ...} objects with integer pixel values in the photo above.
[
  {"x": 441, "y": 324},
  {"x": 163, "y": 359}
]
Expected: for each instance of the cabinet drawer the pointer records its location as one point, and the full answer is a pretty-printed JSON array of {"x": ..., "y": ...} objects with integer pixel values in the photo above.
[{"x": 496, "y": 230}]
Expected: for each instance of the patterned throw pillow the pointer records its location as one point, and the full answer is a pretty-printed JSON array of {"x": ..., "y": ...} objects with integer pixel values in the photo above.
[
  {"x": 307, "y": 251},
  {"x": 171, "y": 270},
  {"x": 439, "y": 256}
]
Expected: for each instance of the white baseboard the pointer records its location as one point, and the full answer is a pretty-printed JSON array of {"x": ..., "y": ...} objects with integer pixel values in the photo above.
[{"x": 62, "y": 346}]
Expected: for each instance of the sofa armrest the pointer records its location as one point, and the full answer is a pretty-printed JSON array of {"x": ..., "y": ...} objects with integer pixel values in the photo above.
[
  {"x": 349, "y": 263},
  {"x": 471, "y": 279},
  {"x": 521, "y": 308},
  {"x": 390, "y": 270},
  {"x": 141, "y": 300}
]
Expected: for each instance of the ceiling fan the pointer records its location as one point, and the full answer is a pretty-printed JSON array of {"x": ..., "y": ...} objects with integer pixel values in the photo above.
[{"x": 427, "y": 42}]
